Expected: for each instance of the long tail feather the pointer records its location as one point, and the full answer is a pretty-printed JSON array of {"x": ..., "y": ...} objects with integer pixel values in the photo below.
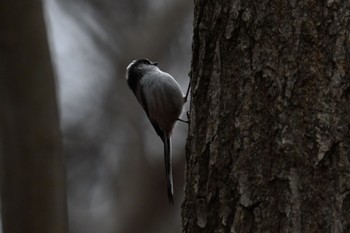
[{"x": 168, "y": 168}]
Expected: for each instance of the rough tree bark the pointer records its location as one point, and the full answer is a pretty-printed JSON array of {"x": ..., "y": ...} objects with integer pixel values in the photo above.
[
  {"x": 269, "y": 138},
  {"x": 32, "y": 171}
]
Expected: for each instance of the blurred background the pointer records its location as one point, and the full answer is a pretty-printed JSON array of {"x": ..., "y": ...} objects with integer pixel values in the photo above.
[{"x": 114, "y": 159}]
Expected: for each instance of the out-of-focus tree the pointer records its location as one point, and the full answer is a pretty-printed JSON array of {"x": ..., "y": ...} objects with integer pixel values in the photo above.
[
  {"x": 269, "y": 139},
  {"x": 33, "y": 196}
]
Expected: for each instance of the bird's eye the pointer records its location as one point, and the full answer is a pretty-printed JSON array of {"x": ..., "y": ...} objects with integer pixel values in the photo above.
[{"x": 155, "y": 63}]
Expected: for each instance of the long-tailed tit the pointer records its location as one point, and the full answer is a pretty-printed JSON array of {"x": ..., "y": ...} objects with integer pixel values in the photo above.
[{"x": 162, "y": 99}]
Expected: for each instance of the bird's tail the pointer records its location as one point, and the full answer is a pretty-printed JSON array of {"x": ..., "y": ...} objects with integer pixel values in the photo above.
[{"x": 168, "y": 168}]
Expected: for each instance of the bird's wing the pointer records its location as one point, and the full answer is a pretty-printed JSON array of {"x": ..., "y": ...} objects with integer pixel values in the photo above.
[{"x": 143, "y": 102}]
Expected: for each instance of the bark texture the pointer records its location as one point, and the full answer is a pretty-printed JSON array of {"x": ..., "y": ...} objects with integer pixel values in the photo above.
[
  {"x": 269, "y": 138},
  {"x": 32, "y": 171}
]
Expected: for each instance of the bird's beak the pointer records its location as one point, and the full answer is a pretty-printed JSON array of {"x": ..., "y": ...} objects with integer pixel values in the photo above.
[{"x": 155, "y": 63}]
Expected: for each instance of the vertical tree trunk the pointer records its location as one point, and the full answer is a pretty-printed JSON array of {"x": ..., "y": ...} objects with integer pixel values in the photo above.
[
  {"x": 269, "y": 139},
  {"x": 32, "y": 171}
]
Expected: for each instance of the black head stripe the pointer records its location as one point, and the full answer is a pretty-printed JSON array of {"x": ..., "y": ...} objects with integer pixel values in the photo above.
[
  {"x": 144, "y": 101},
  {"x": 135, "y": 72},
  {"x": 134, "y": 78}
]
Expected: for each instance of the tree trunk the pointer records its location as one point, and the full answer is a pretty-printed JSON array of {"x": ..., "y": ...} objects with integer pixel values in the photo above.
[
  {"x": 32, "y": 171},
  {"x": 269, "y": 139}
]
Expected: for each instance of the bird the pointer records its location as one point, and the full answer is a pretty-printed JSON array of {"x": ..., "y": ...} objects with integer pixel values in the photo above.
[{"x": 160, "y": 95}]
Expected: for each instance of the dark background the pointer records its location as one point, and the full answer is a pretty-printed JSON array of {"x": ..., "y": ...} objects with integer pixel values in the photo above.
[{"x": 114, "y": 160}]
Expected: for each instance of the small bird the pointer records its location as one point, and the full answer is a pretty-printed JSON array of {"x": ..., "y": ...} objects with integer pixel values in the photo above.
[{"x": 162, "y": 99}]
